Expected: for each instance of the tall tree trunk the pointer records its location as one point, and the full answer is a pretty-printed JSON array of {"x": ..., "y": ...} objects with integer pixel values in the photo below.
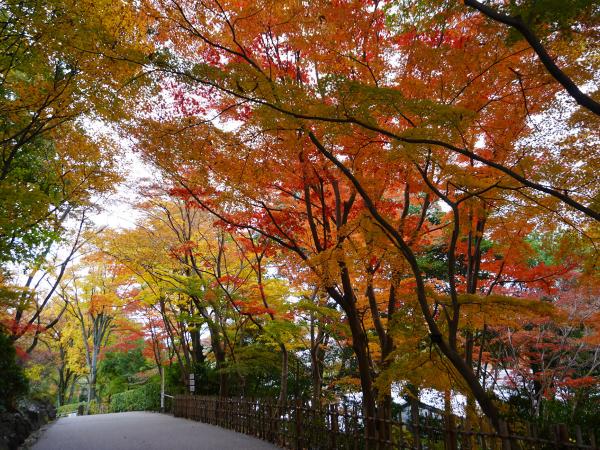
[
  {"x": 71, "y": 391},
  {"x": 92, "y": 380},
  {"x": 223, "y": 376},
  {"x": 317, "y": 355},
  {"x": 283, "y": 386},
  {"x": 197, "y": 349},
  {"x": 360, "y": 346},
  {"x": 384, "y": 415}
]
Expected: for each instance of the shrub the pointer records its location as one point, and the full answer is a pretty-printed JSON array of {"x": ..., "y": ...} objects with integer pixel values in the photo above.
[
  {"x": 12, "y": 379},
  {"x": 70, "y": 408},
  {"x": 145, "y": 398},
  {"x": 65, "y": 410},
  {"x": 95, "y": 408}
]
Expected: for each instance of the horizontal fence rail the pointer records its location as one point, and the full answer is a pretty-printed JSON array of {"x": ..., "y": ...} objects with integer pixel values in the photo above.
[{"x": 300, "y": 426}]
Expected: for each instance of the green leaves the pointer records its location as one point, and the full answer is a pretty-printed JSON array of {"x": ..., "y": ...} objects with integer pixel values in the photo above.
[{"x": 12, "y": 380}]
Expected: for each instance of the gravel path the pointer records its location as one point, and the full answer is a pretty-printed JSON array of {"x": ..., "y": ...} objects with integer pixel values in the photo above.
[{"x": 143, "y": 431}]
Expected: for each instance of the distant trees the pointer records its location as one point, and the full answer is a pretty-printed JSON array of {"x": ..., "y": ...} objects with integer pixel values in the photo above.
[{"x": 94, "y": 303}]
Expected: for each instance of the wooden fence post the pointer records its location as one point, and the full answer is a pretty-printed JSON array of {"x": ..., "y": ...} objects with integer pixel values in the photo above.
[
  {"x": 451, "y": 443},
  {"x": 562, "y": 434},
  {"x": 504, "y": 436},
  {"x": 400, "y": 431},
  {"x": 578, "y": 435},
  {"x": 270, "y": 422},
  {"x": 298, "y": 418},
  {"x": 415, "y": 416}
]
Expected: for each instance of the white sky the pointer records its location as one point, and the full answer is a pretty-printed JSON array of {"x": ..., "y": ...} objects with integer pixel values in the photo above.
[{"x": 117, "y": 211}]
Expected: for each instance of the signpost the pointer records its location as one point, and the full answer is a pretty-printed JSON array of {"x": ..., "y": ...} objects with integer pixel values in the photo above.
[
  {"x": 162, "y": 388},
  {"x": 192, "y": 383}
]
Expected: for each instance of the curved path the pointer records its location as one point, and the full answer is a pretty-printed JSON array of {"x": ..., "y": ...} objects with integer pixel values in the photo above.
[{"x": 141, "y": 431}]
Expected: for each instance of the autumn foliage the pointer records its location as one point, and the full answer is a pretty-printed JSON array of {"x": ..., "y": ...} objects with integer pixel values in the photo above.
[{"x": 388, "y": 196}]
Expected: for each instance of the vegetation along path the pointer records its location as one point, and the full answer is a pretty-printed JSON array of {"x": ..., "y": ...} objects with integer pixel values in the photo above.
[{"x": 141, "y": 430}]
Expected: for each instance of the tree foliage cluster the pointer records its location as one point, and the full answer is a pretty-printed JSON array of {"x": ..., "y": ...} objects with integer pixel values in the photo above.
[{"x": 354, "y": 197}]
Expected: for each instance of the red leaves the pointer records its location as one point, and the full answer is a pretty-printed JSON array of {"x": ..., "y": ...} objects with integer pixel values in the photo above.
[
  {"x": 184, "y": 249},
  {"x": 228, "y": 279},
  {"x": 21, "y": 353},
  {"x": 579, "y": 383},
  {"x": 21, "y": 328},
  {"x": 253, "y": 308}
]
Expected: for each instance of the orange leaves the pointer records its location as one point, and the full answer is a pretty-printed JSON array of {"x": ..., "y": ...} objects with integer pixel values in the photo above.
[
  {"x": 411, "y": 103},
  {"x": 253, "y": 308},
  {"x": 184, "y": 249},
  {"x": 579, "y": 383}
]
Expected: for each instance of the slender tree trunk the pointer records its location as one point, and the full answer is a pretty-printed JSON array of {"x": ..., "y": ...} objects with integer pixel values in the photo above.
[
  {"x": 72, "y": 391},
  {"x": 61, "y": 388},
  {"x": 316, "y": 364},
  {"x": 92, "y": 381},
  {"x": 384, "y": 414},
  {"x": 447, "y": 403},
  {"x": 283, "y": 387},
  {"x": 415, "y": 417}
]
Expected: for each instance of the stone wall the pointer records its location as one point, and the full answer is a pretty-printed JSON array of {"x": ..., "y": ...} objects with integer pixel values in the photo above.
[{"x": 16, "y": 426}]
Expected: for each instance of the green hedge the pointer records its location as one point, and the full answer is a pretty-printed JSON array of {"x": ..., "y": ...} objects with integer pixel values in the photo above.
[
  {"x": 145, "y": 398},
  {"x": 65, "y": 410}
]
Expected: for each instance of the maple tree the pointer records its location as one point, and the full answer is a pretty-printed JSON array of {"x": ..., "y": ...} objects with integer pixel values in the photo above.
[
  {"x": 54, "y": 165},
  {"x": 386, "y": 193},
  {"x": 213, "y": 279},
  {"x": 93, "y": 303},
  {"x": 28, "y": 302},
  {"x": 50, "y": 161},
  {"x": 295, "y": 77}
]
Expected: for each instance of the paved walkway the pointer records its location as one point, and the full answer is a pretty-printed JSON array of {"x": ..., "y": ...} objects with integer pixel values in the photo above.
[{"x": 143, "y": 431}]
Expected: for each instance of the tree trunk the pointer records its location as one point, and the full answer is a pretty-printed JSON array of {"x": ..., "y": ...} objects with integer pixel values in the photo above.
[
  {"x": 384, "y": 414},
  {"x": 283, "y": 387},
  {"x": 223, "y": 377},
  {"x": 485, "y": 402},
  {"x": 359, "y": 344},
  {"x": 316, "y": 364},
  {"x": 71, "y": 391},
  {"x": 92, "y": 381},
  {"x": 197, "y": 349}
]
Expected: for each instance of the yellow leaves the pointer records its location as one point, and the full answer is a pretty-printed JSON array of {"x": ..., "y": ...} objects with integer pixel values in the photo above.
[
  {"x": 71, "y": 340},
  {"x": 327, "y": 264},
  {"x": 35, "y": 372},
  {"x": 416, "y": 361},
  {"x": 348, "y": 383},
  {"x": 498, "y": 310}
]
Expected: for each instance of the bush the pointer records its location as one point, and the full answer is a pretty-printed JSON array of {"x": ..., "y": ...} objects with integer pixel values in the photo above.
[
  {"x": 12, "y": 379},
  {"x": 95, "y": 408},
  {"x": 65, "y": 410},
  {"x": 145, "y": 398}
]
